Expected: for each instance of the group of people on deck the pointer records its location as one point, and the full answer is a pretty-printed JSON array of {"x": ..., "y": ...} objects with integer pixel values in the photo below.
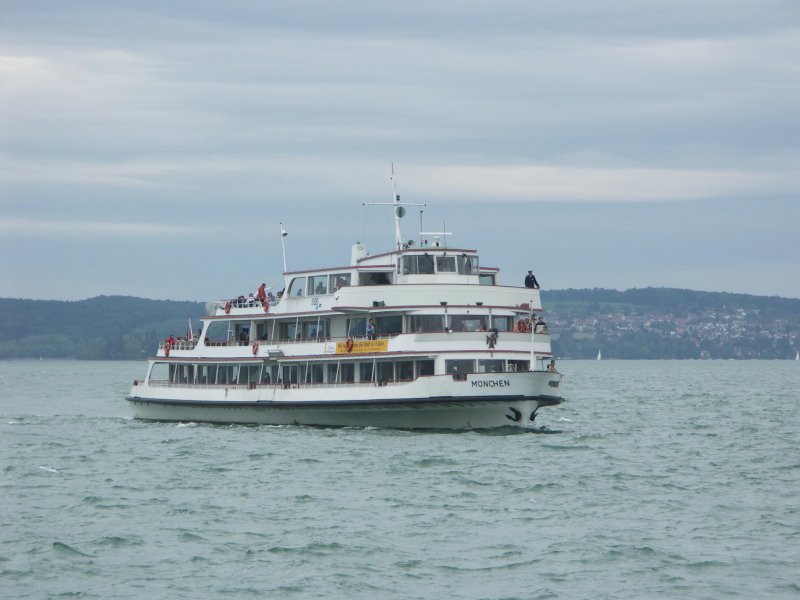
[
  {"x": 262, "y": 297},
  {"x": 526, "y": 325}
]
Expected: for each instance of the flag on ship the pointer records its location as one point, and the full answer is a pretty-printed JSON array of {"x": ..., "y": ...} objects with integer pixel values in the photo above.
[{"x": 189, "y": 332}]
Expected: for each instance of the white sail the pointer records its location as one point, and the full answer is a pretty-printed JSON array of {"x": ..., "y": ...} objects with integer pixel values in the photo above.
[{"x": 599, "y": 355}]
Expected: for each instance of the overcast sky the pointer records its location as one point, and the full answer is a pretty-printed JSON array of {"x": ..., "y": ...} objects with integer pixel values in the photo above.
[{"x": 152, "y": 148}]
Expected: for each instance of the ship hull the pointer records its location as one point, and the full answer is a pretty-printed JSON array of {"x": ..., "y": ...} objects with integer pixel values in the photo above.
[
  {"x": 360, "y": 406},
  {"x": 462, "y": 413}
]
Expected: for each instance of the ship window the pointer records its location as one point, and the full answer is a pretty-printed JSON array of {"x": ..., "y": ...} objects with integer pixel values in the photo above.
[
  {"x": 356, "y": 327},
  {"x": 249, "y": 374},
  {"x": 290, "y": 373},
  {"x": 374, "y": 278},
  {"x": 427, "y": 323},
  {"x": 297, "y": 287},
  {"x": 365, "y": 372},
  {"x": 459, "y": 367},
  {"x": 405, "y": 370},
  {"x": 424, "y": 367},
  {"x": 289, "y": 331},
  {"x": 385, "y": 371},
  {"x": 218, "y": 333},
  {"x": 262, "y": 331},
  {"x": 413, "y": 264},
  {"x": 203, "y": 374},
  {"x": 347, "y": 373},
  {"x": 490, "y": 366},
  {"x": 503, "y": 323},
  {"x": 227, "y": 374},
  {"x": 389, "y": 325},
  {"x": 339, "y": 280},
  {"x": 317, "y": 285},
  {"x": 487, "y": 279},
  {"x": 314, "y": 373},
  {"x": 518, "y": 366},
  {"x": 467, "y": 322},
  {"x": 425, "y": 264},
  {"x": 446, "y": 264},
  {"x": 467, "y": 265},
  {"x": 316, "y": 330}
]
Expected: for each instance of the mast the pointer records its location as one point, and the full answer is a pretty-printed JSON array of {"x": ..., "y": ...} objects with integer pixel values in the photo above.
[{"x": 399, "y": 211}]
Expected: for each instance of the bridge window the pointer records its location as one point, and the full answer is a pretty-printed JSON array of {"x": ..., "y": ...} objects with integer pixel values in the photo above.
[
  {"x": 374, "y": 278},
  {"x": 317, "y": 285},
  {"x": 417, "y": 264},
  {"x": 467, "y": 265},
  {"x": 339, "y": 280},
  {"x": 297, "y": 287},
  {"x": 446, "y": 264}
]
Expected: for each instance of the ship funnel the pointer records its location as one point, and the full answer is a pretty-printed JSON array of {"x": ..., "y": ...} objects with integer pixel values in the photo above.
[{"x": 359, "y": 253}]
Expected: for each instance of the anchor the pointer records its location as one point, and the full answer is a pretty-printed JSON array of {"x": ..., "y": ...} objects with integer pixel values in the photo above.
[
  {"x": 516, "y": 416},
  {"x": 534, "y": 413}
]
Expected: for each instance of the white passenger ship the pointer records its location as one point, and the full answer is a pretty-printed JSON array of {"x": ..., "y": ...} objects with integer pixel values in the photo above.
[{"x": 423, "y": 336}]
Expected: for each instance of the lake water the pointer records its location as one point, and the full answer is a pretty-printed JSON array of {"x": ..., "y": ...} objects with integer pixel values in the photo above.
[{"x": 658, "y": 480}]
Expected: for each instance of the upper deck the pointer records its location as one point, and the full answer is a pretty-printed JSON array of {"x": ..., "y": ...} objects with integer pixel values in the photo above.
[{"x": 406, "y": 278}]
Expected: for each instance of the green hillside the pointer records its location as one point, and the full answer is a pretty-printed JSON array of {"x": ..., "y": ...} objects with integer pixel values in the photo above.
[{"x": 106, "y": 327}]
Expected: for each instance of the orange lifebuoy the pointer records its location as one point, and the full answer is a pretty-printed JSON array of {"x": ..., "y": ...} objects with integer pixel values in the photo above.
[
  {"x": 266, "y": 305},
  {"x": 255, "y": 347},
  {"x": 348, "y": 345},
  {"x": 227, "y": 307}
]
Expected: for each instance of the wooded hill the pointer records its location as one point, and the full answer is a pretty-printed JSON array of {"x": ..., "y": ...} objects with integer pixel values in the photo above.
[
  {"x": 636, "y": 323},
  {"x": 102, "y": 328}
]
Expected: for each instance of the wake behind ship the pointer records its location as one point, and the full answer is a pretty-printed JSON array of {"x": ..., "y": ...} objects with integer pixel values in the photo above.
[{"x": 420, "y": 337}]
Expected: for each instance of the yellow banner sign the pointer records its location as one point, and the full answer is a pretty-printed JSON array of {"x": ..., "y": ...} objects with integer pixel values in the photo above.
[{"x": 361, "y": 346}]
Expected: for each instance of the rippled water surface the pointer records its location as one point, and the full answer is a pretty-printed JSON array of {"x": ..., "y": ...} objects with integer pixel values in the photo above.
[{"x": 659, "y": 479}]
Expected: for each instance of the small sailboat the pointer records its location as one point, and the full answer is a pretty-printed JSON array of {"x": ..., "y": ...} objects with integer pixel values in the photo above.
[
  {"x": 797, "y": 356},
  {"x": 599, "y": 355}
]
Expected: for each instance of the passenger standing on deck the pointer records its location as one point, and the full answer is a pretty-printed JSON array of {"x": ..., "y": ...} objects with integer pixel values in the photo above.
[
  {"x": 530, "y": 281},
  {"x": 371, "y": 329},
  {"x": 262, "y": 293}
]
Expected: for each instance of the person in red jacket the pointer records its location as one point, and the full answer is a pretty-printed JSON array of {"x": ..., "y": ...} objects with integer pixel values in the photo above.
[{"x": 262, "y": 293}]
